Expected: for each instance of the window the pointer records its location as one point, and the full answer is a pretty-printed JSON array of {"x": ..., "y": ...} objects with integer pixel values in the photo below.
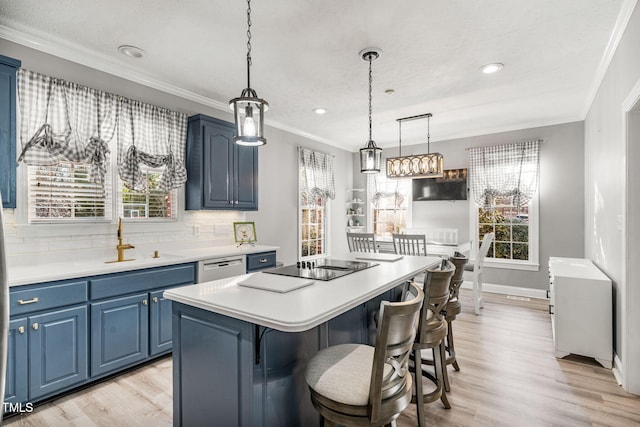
[
  {"x": 504, "y": 188},
  {"x": 316, "y": 189},
  {"x": 64, "y": 192},
  {"x": 313, "y": 241},
  {"x": 390, "y": 204},
  {"x": 149, "y": 203},
  {"x": 511, "y": 227}
]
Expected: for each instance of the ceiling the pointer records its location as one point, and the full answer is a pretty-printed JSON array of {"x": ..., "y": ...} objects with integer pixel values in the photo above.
[{"x": 305, "y": 55}]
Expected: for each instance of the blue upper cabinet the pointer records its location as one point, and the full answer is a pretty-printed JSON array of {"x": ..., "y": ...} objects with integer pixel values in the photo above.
[
  {"x": 221, "y": 174},
  {"x": 8, "y": 70}
]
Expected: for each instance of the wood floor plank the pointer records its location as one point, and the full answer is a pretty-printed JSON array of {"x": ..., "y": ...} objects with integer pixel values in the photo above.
[{"x": 509, "y": 377}]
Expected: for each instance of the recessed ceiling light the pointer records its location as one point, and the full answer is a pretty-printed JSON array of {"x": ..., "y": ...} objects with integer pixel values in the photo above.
[
  {"x": 492, "y": 68},
  {"x": 131, "y": 51},
  {"x": 319, "y": 110},
  {"x": 389, "y": 91}
]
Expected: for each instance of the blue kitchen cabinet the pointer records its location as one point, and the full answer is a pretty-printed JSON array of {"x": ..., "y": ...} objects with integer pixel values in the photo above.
[
  {"x": 8, "y": 70},
  {"x": 119, "y": 333},
  {"x": 160, "y": 332},
  {"x": 58, "y": 352},
  {"x": 222, "y": 175},
  {"x": 260, "y": 261},
  {"x": 16, "y": 389}
]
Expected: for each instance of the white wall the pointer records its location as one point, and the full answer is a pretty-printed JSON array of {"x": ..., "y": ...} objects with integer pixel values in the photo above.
[
  {"x": 276, "y": 220},
  {"x": 605, "y": 183}
]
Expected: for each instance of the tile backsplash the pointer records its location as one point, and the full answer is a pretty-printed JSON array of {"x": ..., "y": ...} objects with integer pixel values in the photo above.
[{"x": 29, "y": 244}]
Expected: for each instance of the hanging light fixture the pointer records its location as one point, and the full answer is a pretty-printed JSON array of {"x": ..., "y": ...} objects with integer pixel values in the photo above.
[
  {"x": 249, "y": 109},
  {"x": 428, "y": 165},
  {"x": 371, "y": 155}
]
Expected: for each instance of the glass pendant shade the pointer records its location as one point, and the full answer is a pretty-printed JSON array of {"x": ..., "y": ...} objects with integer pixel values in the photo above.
[
  {"x": 370, "y": 158},
  {"x": 248, "y": 111}
]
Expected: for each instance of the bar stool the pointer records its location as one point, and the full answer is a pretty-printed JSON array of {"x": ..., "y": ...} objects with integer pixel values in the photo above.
[
  {"x": 452, "y": 310},
  {"x": 432, "y": 330},
  {"x": 361, "y": 385}
]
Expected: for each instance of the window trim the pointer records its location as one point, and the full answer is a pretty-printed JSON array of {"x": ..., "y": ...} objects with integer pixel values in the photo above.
[{"x": 533, "y": 264}]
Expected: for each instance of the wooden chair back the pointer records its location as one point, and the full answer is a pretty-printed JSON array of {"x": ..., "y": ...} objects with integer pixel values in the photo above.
[
  {"x": 390, "y": 394},
  {"x": 459, "y": 261},
  {"x": 436, "y": 290},
  {"x": 410, "y": 244},
  {"x": 362, "y": 242}
]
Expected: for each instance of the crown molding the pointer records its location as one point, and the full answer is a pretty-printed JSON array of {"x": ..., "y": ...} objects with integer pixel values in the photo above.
[{"x": 616, "y": 36}]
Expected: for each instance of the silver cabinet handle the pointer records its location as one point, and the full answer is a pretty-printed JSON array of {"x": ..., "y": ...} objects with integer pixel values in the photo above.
[
  {"x": 144, "y": 301},
  {"x": 263, "y": 260},
  {"x": 35, "y": 326},
  {"x": 29, "y": 301},
  {"x": 230, "y": 202},
  {"x": 155, "y": 299}
]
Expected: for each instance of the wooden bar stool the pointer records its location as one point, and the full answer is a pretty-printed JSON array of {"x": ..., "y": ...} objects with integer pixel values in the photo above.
[
  {"x": 362, "y": 242},
  {"x": 430, "y": 339},
  {"x": 360, "y": 385},
  {"x": 452, "y": 310}
]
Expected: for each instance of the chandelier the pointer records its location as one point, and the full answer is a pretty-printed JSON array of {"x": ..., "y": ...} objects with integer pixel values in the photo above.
[
  {"x": 428, "y": 165},
  {"x": 248, "y": 108},
  {"x": 371, "y": 154}
]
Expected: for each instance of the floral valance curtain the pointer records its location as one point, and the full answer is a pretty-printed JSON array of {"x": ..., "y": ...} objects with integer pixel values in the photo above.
[
  {"x": 317, "y": 177},
  {"x": 64, "y": 121},
  {"x": 504, "y": 170}
]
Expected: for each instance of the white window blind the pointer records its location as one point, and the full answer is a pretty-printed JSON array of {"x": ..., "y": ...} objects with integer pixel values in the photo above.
[{"x": 64, "y": 193}]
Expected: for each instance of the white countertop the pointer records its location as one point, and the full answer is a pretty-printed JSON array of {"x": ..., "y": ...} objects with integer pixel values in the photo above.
[
  {"x": 47, "y": 271},
  {"x": 304, "y": 308}
]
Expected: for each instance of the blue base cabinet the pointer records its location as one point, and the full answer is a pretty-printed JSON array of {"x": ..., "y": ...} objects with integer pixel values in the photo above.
[
  {"x": 57, "y": 351},
  {"x": 67, "y": 333},
  {"x": 260, "y": 261},
  {"x": 17, "y": 378},
  {"x": 222, "y": 175},
  {"x": 8, "y": 87},
  {"x": 119, "y": 333}
]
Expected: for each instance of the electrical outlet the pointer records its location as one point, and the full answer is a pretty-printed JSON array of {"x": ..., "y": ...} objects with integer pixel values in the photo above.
[{"x": 196, "y": 229}]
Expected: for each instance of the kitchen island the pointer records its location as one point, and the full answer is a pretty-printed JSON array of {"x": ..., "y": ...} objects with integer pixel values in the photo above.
[{"x": 239, "y": 353}]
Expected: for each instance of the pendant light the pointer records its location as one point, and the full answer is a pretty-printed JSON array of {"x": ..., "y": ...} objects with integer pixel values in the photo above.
[
  {"x": 371, "y": 155},
  {"x": 249, "y": 109},
  {"x": 428, "y": 165}
]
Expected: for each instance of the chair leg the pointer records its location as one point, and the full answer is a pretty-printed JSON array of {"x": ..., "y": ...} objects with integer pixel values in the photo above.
[
  {"x": 439, "y": 369},
  {"x": 476, "y": 296},
  {"x": 445, "y": 375},
  {"x": 451, "y": 346},
  {"x": 418, "y": 385}
]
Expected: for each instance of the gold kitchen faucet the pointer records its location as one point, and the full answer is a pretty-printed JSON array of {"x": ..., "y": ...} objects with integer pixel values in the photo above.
[{"x": 121, "y": 247}]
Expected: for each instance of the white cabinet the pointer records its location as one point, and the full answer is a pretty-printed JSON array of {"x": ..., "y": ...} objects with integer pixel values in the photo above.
[
  {"x": 581, "y": 309},
  {"x": 356, "y": 211}
]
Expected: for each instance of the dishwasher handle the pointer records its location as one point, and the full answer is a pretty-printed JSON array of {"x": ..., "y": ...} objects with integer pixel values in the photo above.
[{"x": 215, "y": 264}]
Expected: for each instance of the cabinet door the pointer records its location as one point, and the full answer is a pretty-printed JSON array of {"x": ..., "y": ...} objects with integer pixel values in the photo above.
[
  {"x": 57, "y": 350},
  {"x": 245, "y": 178},
  {"x": 160, "y": 333},
  {"x": 218, "y": 166},
  {"x": 8, "y": 68},
  {"x": 119, "y": 333},
  {"x": 16, "y": 385}
]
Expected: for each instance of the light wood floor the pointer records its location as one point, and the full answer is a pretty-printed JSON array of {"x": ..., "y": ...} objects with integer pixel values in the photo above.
[{"x": 508, "y": 377}]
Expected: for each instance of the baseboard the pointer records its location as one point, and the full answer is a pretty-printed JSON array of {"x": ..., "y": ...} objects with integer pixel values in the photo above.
[
  {"x": 508, "y": 290},
  {"x": 617, "y": 368}
]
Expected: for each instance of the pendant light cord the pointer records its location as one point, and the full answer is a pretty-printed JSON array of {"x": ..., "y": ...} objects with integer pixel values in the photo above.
[
  {"x": 428, "y": 136},
  {"x": 370, "y": 83},
  {"x": 399, "y": 138},
  {"x": 248, "y": 43}
]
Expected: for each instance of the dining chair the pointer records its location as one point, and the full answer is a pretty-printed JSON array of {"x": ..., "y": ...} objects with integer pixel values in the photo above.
[
  {"x": 476, "y": 267},
  {"x": 362, "y": 242},
  {"x": 429, "y": 346},
  {"x": 361, "y": 385},
  {"x": 410, "y": 244}
]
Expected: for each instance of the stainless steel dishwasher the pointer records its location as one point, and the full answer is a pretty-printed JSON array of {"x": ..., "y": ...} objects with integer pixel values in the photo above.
[{"x": 220, "y": 268}]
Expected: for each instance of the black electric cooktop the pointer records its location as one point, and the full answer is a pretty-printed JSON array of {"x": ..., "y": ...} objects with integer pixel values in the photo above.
[{"x": 327, "y": 269}]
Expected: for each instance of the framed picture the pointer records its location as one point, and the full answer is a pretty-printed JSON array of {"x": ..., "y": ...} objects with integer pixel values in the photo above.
[{"x": 244, "y": 232}]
